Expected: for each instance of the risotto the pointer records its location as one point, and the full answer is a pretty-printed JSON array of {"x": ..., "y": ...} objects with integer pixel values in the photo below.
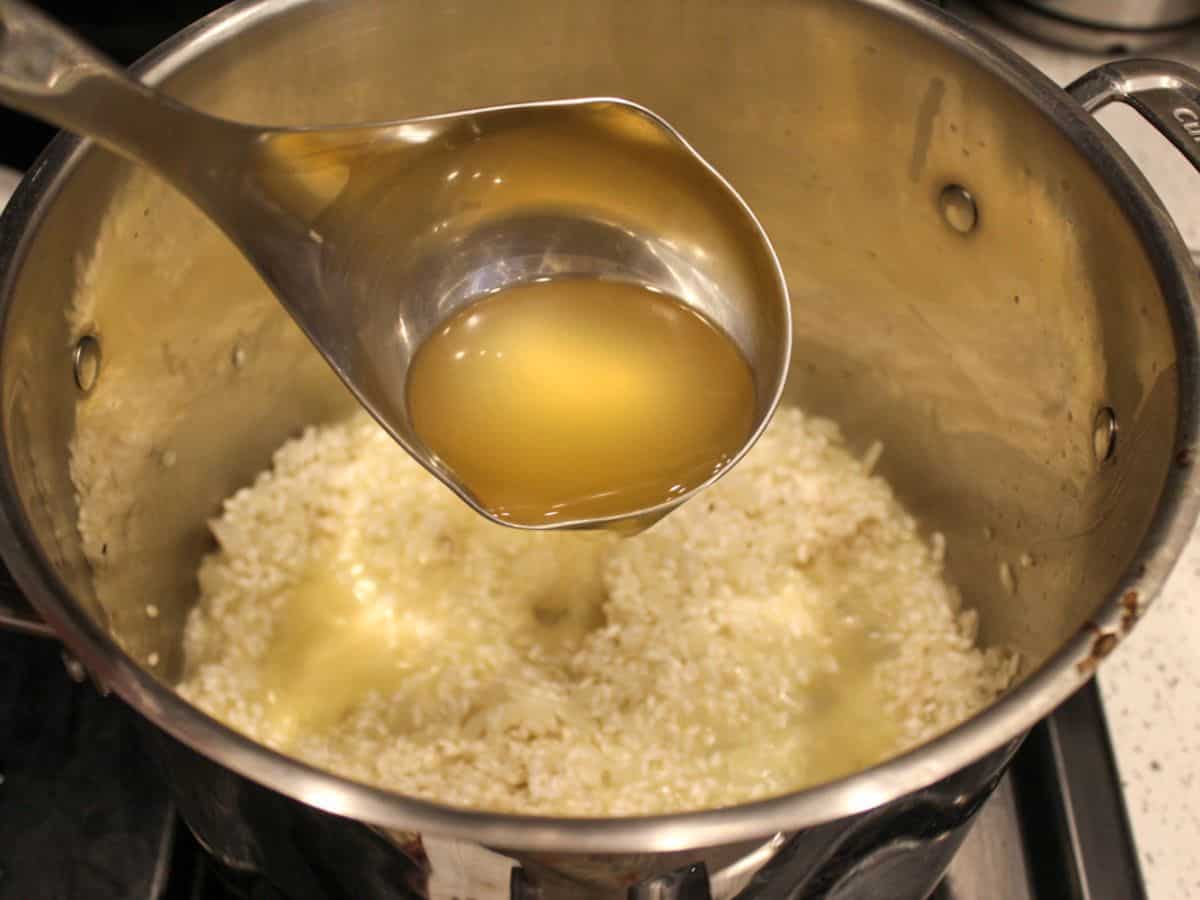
[{"x": 785, "y": 627}]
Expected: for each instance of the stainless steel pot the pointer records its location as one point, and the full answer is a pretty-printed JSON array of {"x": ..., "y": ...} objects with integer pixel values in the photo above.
[{"x": 981, "y": 279}]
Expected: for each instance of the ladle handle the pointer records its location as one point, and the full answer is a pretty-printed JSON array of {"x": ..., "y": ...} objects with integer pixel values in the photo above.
[
  {"x": 49, "y": 73},
  {"x": 1167, "y": 95}
]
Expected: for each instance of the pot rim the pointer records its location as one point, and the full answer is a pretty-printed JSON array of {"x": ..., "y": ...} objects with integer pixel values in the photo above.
[{"x": 1003, "y": 722}]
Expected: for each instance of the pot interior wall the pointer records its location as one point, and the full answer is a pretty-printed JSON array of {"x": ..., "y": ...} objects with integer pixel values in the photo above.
[{"x": 980, "y": 360}]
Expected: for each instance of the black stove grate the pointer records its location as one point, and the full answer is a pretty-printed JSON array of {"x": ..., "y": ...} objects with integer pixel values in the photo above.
[{"x": 79, "y": 816}]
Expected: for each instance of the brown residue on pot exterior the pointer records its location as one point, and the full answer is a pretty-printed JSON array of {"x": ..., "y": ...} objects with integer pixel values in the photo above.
[
  {"x": 1103, "y": 643},
  {"x": 1130, "y": 611},
  {"x": 1185, "y": 456}
]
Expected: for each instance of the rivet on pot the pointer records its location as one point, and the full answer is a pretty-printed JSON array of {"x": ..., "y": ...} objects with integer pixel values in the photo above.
[
  {"x": 958, "y": 208},
  {"x": 1104, "y": 434},
  {"x": 238, "y": 356},
  {"x": 86, "y": 362}
]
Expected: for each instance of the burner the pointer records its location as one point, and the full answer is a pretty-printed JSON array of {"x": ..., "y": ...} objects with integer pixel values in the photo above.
[{"x": 81, "y": 815}]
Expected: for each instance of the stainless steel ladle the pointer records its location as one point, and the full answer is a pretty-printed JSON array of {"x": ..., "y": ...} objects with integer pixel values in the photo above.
[{"x": 372, "y": 235}]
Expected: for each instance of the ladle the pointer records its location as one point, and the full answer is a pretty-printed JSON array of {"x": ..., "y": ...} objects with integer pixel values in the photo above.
[{"x": 372, "y": 235}]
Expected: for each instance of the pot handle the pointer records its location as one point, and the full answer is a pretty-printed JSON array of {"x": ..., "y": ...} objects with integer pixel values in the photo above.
[{"x": 1167, "y": 95}]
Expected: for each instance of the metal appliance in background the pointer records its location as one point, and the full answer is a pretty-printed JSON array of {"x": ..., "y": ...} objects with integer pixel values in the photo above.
[
  {"x": 1104, "y": 26},
  {"x": 1098, "y": 484}
]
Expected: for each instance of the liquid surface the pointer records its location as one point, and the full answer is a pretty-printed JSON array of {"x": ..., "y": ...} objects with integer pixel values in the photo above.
[{"x": 580, "y": 398}]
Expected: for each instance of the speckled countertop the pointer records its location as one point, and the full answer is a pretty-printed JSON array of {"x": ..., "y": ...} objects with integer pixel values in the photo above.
[{"x": 1151, "y": 684}]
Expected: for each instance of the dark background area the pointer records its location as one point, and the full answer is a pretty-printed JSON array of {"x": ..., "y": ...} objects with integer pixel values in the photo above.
[{"x": 124, "y": 29}]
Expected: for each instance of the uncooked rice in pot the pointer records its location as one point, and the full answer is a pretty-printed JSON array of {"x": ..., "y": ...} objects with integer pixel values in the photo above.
[{"x": 785, "y": 627}]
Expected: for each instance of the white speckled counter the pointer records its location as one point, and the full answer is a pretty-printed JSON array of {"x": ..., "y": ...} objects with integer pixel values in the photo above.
[
  {"x": 1151, "y": 690},
  {"x": 1151, "y": 684}
]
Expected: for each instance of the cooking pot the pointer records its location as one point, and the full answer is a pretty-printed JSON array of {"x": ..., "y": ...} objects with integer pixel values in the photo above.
[{"x": 980, "y": 277}]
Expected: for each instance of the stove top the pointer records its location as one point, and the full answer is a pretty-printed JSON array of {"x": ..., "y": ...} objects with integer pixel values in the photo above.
[{"x": 84, "y": 813}]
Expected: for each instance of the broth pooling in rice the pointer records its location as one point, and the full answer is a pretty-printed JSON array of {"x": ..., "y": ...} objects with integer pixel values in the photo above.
[{"x": 788, "y": 626}]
